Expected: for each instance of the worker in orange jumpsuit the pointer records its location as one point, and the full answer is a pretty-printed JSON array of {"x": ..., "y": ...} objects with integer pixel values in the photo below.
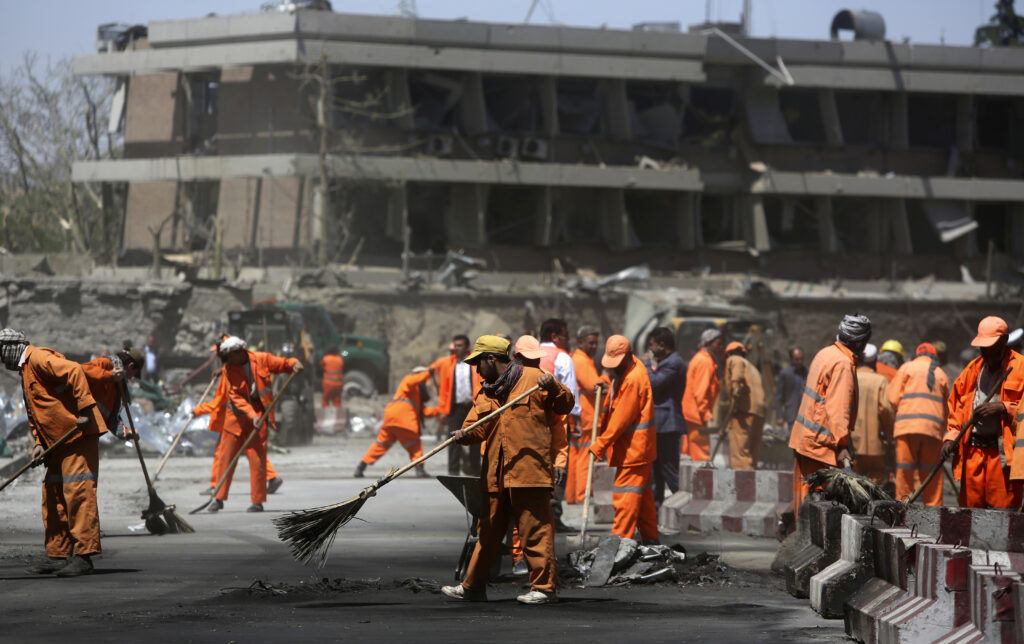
[
  {"x": 986, "y": 463},
  {"x": 58, "y": 401},
  {"x": 918, "y": 393},
  {"x": 828, "y": 410},
  {"x": 701, "y": 393},
  {"x": 554, "y": 343},
  {"x": 746, "y": 424},
  {"x": 890, "y": 358},
  {"x": 403, "y": 422},
  {"x": 105, "y": 376},
  {"x": 872, "y": 433},
  {"x": 332, "y": 370},
  {"x": 629, "y": 439},
  {"x": 518, "y": 471},
  {"x": 457, "y": 383},
  {"x": 247, "y": 377},
  {"x": 579, "y": 439}
]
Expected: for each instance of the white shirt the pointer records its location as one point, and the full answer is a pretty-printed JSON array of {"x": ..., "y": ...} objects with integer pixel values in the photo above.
[
  {"x": 565, "y": 373},
  {"x": 150, "y": 359},
  {"x": 463, "y": 383}
]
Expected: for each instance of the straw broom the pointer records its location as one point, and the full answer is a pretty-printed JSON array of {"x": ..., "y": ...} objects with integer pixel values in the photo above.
[
  {"x": 177, "y": 439},
  {"x": 310, "y": 533}
]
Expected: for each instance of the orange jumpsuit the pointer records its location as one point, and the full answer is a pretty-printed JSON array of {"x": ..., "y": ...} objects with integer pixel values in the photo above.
[
  {"x": 56, "y": 394},
  {"x": 105, "y": 389},
  {"x": 403, "y": 420},
  {"x": 746, "y": 426},
  {"x": 521, "y": 451},
  {"x": 885, "y": 370},
  {"x": 579, "y": 448},
  {"x": 629, "y": 439},
  {"x": 873, "y": 429},
  {"x": 920, "y": 425},
  {"x": 249, "y": 393},
  {"x": 217, "y": 407},
  {"x": 827, "y": 415},
  {"x": 699, "y": 403},
  {"x": 333, "y": 367},
  {"x": 991, "y": 476}
]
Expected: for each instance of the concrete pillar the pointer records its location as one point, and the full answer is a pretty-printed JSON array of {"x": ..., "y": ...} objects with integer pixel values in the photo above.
[
  {"x": 544, "y": 219},
  {"x": 617, "y": 110},
  {"x": 1015, "y": 244},
  {"x": 830, "y": 117},
  {"x": 472, "y": 111},
  {"x": 398, "y": 213},
  {"x": 875, "y": 228},
  {"x": 899, "y": 133},
  {"x": 754, "y": 223},
  {"x": 688, "y": 220},
  {"x": 466, "y": 220},
  {"x": 895, "y": 213},
  {"x": 398, "y": 97},
  {"x": 614, "y": 219},
  {"x": 965, "y": 122},
  {"x": 827, "y": 239},
  {"x": 548, "y": 90}
]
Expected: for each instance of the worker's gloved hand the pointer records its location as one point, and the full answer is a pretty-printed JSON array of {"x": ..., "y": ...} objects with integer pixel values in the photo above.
[
  {"x": 547, "y": 382},
  {"x": 560, "y": 476},
  {"x": 988, "y": 410},
  {"x": 949, "y": 449},
  {"x": 843, "y": 458},
  {"x": 37, "y": 455},
  {"x": 297, "y": 367}
]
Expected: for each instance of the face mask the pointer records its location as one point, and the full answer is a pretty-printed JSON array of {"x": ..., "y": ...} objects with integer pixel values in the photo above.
[{"x": 10, "y": 354}]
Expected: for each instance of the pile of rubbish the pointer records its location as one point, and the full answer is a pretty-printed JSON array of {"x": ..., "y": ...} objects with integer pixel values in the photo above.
[
  {"x": 327, "y": 586},
  {"x": 632, "y": 563},
  {"x": 157, "y": 430}
]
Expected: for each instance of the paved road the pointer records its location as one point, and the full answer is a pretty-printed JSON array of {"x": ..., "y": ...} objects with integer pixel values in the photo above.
[{"x": 199, "y": 587}]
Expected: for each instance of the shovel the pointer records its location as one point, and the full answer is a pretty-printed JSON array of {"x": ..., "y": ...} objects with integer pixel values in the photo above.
[{"x": 584, "y": 541}]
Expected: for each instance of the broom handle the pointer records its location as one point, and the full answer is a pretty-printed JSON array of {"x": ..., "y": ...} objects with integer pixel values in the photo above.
[
  {"x": 135, "y": 439},
  {"x": 942, "y": 459},
  {"x": 394, "y": 475},
  {"x": 255, "y": 430},
  {"x": 49, "y": 449},
  {"x": 590, "y": 468},
  {"x": 177, "y": 439}
]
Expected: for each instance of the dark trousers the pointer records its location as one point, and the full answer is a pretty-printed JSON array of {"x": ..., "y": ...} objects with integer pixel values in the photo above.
[
  {"x": 666, "y": 465},
  {"x": 462, "y": 458}
]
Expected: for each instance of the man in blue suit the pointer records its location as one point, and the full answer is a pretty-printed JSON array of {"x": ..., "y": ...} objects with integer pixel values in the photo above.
[{"x": 667, "y": 373}]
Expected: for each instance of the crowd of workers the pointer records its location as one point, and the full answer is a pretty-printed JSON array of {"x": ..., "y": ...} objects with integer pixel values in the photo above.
[{"x": 636, "y": 410}]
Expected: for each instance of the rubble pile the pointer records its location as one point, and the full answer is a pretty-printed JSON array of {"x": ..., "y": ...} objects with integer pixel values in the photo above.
[
  {"x": 639, "y": 564},
  {"x": 261, "y": 589}
]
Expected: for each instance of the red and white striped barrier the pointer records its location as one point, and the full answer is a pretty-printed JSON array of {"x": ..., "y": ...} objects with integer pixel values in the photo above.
[{"x": 991, "y": 604}]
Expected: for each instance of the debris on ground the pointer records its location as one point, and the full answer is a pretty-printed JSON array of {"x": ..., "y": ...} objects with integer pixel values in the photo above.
[
  {"x": 640, "y": 564},
  {"x": 157, "y": 430},
  {"x": 261, "y": 589}
]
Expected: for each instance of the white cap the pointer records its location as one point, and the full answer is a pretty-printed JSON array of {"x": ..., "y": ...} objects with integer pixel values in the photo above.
[
  {"x": 870, "y": 353},
  {"x": 231, "y": 343}
]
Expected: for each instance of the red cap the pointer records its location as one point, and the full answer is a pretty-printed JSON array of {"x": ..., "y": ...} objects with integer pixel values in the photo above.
[
  {"x": 926, "y": 348},
  {"x": 615, "y": 349},
  {"x": 989, "y": 331},
  {"x": 529, "y": 347},
  {"x": 735, "y": 345}
]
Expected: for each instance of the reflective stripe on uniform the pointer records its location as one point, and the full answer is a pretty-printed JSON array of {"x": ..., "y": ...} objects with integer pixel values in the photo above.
[
  {"x": 71, "y": 478},
  {"x": 934, "y": 419},
  {"x": 931, "y": 397},
  {"x": 815, "y": 396},
  {"x": 387, "y": 444},
  {"x": 638, "y": 427},
  {"x": 906, "y": 466},
  {"x": 580, "y": 445},
  {"x": 1020, "y": 417},
  {"x": 1018, "y": 443},
  {"x": 627, "y": 489},
  {"x": 411, "y": 443},
  {"x": 268, "y": 390},
  {"x": 814, "y": 427}
]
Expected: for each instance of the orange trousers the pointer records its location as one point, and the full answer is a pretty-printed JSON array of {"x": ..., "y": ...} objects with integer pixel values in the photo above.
[
  {"x": 985, "y": 482},
  {"x": 633, "y": 500},
  {"x": 697, "y": 445},
  {"x": 579, "y": 465},
  {"x": 388, "y": 436},
  {"x": 257, "y": 455},
  {"x": 330, "y": 393},
  {"x": 802, "y": 466},
  {"x": 71, "y": 517},
  {"x": 220, "y": 461},
  {"x": 530, "y": 507},
  {"x": 745, "y": 441},
  {"x": 874, "y": 467},
  {"x": 916, "y": 455}
]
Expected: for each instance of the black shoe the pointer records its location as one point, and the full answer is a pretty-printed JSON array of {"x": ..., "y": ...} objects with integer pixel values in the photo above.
[
  {"x": 208, "y": 491},
  {"x": 421, "y": 472},
  {"x": 216, "y": 506},
  {"x": 358, "y": 474},
  {"x": 255, "y": 507},
  {"x": 77, "y": 565},
  {"x": 48, "y": 567},
  {"x": 274, "y": 484}
]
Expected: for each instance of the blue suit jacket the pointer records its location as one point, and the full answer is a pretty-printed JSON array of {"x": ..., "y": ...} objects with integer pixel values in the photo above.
[{"x": 667, "y": 383}]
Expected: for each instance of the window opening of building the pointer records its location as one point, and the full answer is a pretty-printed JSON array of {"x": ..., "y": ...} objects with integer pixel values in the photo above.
[{"x": 931, "y": 120}]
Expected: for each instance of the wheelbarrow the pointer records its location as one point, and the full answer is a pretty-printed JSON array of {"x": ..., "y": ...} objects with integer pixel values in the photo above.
[{"x": 467, "y": 490}]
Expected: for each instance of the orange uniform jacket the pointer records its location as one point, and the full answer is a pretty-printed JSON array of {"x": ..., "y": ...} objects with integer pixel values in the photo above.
[
  {"x": 406, "y": 410},
  {"x": 586, "y": 378},
  {"x": 886, "y": 371},
  {"x": 56, "y": 393},
  {"x": 521, "y": 443},
  {"x": 333, "y": 368},
  {"x": 216, "y": 406},
  {"x": 701, "y": 390},
  {"x": 744, "y": 384},
  {"x": 105, "y": 389},
  {"x": 445, "y": 370},
  {"x": 828, "y": 410},
  {"x": 874, "y": 414},
  {"x": 919, "y": 410},
  {"x": 629, "y": 436},
  {"x": 961, "y": 406},
  {"x": 242, "y": 414}
]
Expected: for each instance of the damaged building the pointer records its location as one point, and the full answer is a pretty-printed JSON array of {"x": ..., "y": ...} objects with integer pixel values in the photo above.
[{"x": 521, "y": 144}]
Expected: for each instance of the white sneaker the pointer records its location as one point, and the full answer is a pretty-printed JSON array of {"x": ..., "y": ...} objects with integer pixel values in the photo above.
[
  {"x": 459, "y": 592},
  {"x": 537, "y": 597}
]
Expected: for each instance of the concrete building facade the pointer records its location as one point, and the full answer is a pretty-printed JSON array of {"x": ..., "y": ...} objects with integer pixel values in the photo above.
[{"x": 521, "y": 144}]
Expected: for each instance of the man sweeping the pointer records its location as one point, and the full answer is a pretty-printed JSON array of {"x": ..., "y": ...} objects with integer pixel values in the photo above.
[
  {"x": 249, "y": 392},
  {"x": 518, "y": 467},
  {"x": 403, "y": 422},
  {"x": 746, "y": 393},
  {"x": 58, "y": 401},
  {"x": 629, "y": 439},
  {"x": 105, "y": 376}
]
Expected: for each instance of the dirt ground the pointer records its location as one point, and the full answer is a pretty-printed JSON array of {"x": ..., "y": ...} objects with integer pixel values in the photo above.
[{"x": 233, "y": 580}]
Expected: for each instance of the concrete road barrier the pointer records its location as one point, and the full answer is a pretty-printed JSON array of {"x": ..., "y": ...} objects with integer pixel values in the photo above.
[
  {"x": 825, "y": 522},
  {"x": 830, "y": 588}
]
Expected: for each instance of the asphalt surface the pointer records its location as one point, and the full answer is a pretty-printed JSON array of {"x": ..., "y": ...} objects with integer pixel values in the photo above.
[{"x": 234, "y": 581}]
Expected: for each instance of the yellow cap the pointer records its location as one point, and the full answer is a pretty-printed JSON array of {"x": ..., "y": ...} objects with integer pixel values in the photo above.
[
  {"x": 892, "y": 346},
  {"x": 488, "y": 344}
]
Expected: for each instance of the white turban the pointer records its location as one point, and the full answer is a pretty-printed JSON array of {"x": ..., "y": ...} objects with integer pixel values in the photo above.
[
  {"x": 231, "y": 343},
  {"x": 870, "y": 353},
  {"x": 709, "y": 336}
]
